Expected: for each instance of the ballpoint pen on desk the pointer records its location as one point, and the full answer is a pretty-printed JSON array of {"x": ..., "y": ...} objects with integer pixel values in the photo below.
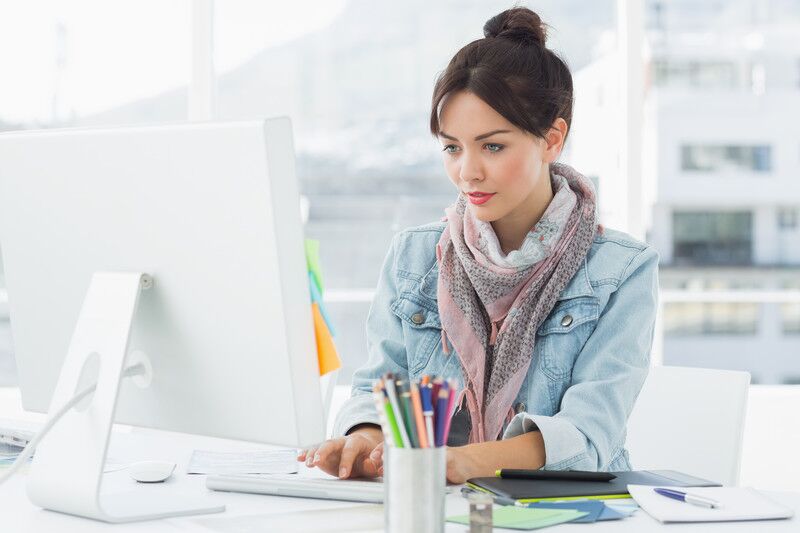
[
  {"x": 694, "y": 499},
  {"x": 499, "y": 500}
]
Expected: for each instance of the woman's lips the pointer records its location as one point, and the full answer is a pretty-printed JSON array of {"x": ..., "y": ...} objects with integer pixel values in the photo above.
[{"x": 478, "y": 198}]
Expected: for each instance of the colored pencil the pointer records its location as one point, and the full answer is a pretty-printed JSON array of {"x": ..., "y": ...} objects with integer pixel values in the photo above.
[
  {"x": 420, "y": 421},
  {"x": 391, "y": 390},
  {"x": 380, "y": 406},
  {"x": 392, "y": 420},
  {"x": 408, "y": 414}
]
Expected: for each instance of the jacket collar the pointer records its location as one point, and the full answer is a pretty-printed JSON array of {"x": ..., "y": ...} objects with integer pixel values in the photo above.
[{"x": 579, "y": 285}]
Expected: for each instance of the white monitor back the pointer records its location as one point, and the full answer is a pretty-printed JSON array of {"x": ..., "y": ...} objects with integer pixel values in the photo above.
[{"x": 211, "y": 211}]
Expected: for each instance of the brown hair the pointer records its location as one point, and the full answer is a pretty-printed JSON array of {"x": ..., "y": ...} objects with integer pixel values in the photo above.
[{"x": 512, "y": 71}]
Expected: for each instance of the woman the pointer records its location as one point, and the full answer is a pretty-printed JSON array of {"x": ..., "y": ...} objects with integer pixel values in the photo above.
[{"x": 544, "y": 318}]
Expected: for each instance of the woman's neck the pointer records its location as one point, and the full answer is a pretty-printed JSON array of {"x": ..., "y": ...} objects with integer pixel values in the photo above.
[{"x": 512, "y": 229}]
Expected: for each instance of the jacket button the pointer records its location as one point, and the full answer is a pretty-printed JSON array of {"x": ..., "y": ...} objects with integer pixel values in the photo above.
[
  {"x": 418, "y": 318},
  {"x": 566, "y": 321},
  {"x": 519, "y": 408}
]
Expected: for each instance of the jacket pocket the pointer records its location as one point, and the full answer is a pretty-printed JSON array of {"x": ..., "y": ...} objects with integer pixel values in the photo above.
[
  {"x": 563, "y": 334},
  {"x": 422, "y": 328}
]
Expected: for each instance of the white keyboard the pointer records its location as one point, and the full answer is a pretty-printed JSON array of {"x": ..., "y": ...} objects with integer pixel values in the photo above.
[{"x": 301, "y": 487}]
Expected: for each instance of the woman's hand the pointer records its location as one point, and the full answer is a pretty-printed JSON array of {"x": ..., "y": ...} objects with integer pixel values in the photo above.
[
  {"x": 359, "y": 454},
  {"x": 484, "y": 459},
  {"x": 461, "y": 465}
]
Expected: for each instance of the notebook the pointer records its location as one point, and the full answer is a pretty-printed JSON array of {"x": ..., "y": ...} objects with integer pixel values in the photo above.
[
  {"x": 737, "y": 504},
  {"x": 536, "y": 490}
]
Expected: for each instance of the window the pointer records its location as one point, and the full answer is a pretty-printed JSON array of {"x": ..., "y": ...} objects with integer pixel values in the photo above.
[
  {"x": 788, "y": 218},
  {"x": 720, "y": 238},
  {"x": 694, "y": 74},
  {"x": 790, "y": 318},
  {"x": 726, "y": 158},
  {"x": 715, "y": 318}
]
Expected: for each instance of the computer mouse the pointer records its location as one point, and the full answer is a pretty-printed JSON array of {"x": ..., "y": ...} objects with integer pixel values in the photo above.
[{"x": 151, "y": 471}]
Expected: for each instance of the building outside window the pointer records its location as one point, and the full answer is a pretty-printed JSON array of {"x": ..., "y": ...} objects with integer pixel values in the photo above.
[
  {"x": 712, "y": 238},
  {"x": 722, "y": 158},
  {"x": 717, "y": 318}
]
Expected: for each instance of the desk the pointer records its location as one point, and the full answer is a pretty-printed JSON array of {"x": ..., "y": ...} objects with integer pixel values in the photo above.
[{"x": 269, "y": 513}]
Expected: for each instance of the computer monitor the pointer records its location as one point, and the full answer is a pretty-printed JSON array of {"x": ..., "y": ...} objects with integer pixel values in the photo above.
[{"x": 206, "y": 218}]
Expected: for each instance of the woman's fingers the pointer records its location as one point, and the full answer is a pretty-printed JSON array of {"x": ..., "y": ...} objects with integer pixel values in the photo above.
[
  {"x": 302, "y": 455},
  {"x": 327, "y": 456},
  {"x": 352, "y": 455},
  {"x": 376, "y": 455}
]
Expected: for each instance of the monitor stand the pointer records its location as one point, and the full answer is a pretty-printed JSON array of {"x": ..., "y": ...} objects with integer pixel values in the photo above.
[{"x": 67, "y": 470}]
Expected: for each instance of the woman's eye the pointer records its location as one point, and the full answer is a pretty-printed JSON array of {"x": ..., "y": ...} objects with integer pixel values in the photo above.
[
  {"x": 450, "y": 148},
  {"x": 493, "y": 147}
]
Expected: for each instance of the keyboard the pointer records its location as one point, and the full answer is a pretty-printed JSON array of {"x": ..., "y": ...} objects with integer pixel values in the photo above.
[{"x": 299, "y": 486}]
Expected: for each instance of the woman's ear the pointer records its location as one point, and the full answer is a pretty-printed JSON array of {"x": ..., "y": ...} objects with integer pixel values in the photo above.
[{"x": 554, "y": 139}]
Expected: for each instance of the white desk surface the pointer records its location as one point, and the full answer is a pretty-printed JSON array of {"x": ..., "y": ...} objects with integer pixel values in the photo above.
[{"x": 269, "y": 513}]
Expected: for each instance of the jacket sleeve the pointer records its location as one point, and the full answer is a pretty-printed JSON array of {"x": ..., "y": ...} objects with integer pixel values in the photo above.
[
  {"x": 588, "y": 432},
  {"x": 385, "y": 346}
]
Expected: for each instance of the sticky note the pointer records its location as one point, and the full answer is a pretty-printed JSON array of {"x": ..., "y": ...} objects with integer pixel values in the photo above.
[
  {"x": 312, "y": 261},
  {"x": 327, "y": 355},
  {"x": 316, "y": 297}
]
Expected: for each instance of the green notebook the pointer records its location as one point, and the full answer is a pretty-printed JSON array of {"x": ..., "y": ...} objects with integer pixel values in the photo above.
[
  {"x": 527, "y": 491},
  {"x": 524, "y": 518}
]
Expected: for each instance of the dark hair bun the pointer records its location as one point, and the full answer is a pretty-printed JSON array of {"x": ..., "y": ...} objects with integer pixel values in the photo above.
[{"x": 518, "y": 24}]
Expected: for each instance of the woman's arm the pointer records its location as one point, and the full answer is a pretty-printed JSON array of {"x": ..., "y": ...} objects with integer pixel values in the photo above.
[
  {"x": 482, "y": 460},
  {"x": 588, "y": 431}
]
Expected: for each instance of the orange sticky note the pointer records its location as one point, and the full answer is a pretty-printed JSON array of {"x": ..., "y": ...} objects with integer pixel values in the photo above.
[{"x": 326, "y": 349}]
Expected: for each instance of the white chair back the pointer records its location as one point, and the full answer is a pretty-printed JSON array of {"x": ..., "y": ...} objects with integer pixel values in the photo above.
[{"x": 690, "y": 420}]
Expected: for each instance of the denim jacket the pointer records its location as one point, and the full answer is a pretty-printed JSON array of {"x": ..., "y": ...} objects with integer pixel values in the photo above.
[{"x": 591, "y": 354}]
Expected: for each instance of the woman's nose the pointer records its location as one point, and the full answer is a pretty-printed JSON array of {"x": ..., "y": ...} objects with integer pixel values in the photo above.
[{"x": 470, "y": 169}]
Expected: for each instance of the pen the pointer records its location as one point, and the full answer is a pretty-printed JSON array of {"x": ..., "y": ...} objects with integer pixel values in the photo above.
[
  {"x": 563, "y": 475},
  {"x": 441, "y": 413},
  {"x": 416, "y": 402},
  {"x": 694, "y": 499},
  {"x": 499, "y": 500},
  {"x": 450, "y": 403},
  {"x": 427, "y": 411}
]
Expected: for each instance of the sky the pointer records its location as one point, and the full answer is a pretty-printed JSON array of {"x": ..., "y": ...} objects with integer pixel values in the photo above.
[{"x": 116, "y": 51}]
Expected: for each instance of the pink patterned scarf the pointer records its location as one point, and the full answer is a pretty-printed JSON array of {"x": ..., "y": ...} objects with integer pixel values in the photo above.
[{"x": 491, "y": 305}]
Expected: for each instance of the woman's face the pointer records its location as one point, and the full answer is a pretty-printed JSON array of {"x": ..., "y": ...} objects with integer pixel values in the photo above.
[{"x": 497, "y": 166}]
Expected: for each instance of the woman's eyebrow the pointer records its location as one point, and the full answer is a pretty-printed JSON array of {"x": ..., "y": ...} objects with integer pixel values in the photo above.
[{"x": 478, "y": 138}]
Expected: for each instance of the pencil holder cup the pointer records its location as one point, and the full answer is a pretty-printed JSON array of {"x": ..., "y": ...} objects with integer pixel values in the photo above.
[{"x": 414, "y": 485}]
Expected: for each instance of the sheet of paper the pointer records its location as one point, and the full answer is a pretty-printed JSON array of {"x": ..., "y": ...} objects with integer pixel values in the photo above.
[
  {"x": 257, "y": 462},
  {"x": 524, "y": 518},
  {"x": 737, "y": 504}
]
